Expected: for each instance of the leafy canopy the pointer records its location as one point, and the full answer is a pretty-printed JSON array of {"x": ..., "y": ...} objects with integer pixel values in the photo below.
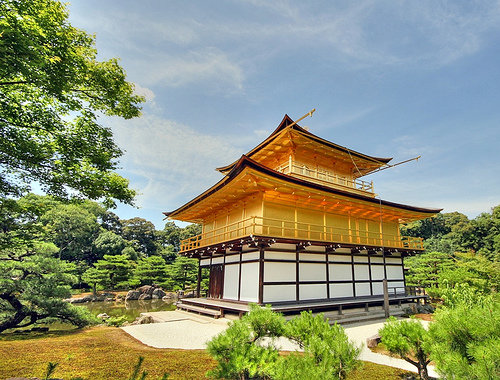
[{"x": 52, "y": 89}]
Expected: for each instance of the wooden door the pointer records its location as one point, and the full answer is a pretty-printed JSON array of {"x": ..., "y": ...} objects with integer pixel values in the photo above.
[{"x": 216, "y": 284}]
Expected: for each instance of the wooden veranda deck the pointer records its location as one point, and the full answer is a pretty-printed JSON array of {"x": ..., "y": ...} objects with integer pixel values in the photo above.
[{"x": 241, "y": 308}]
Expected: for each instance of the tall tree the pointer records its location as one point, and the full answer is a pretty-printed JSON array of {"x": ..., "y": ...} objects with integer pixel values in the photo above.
[
  {"x": 51, "y": 90},
  {"x": 142, "y": 234}
]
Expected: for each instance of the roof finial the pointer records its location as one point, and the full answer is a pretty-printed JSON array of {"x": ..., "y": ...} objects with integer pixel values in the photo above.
[{"x": 310, "y": 113}]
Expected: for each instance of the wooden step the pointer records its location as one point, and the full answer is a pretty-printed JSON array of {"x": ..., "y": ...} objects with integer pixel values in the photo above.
[
  {"x": 200, "y": 310},
  {"x": 362, "y": 317}
]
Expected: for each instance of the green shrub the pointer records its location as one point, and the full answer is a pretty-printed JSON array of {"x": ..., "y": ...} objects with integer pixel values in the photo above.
[
  {"x": 409, "y": 340},
  {"x": 247, "y": 350},
  {"x": 466, "y": 341},
  {"x": 116, "y": 321}
]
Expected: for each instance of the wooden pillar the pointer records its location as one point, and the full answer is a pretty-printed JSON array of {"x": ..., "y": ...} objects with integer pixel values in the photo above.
[
  {"x": 353, "y": 278},
  {"x": 261, "y": 277},
  {"x": 239, "y": 274},
  {"x": 198, "y": 282},
  {"x": 386, "y": 298},
  {"x": 327, "y": 275},
  {"x": 370, "y": 274},
  {"x": 297, "y": 265}
]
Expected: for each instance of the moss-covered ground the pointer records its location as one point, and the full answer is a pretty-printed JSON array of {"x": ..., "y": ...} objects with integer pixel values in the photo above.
[{"x": 109, "y": 353}]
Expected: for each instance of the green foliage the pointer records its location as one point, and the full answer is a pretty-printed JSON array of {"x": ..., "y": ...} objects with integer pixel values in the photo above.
[
  {"x": 149, "y": 271},
  {"x": 171, "y": 235},
  {"x": 94, "y": 277},
  {"x": 73, "y": 229},
  {"x": 51, "y": 91},
  {"x": 454, "y": 232},
  {"x": 109, "y": 243},
  {"x": 424, "y": 270},
  {"x": 115, "y": 271},
  {"x": 466, "y": 341},
  {"x": 463, "y": 294},
  {"x": 183, "y": 272},
  {"x": 240, "y": 350},
  {"x": 475, "y": 270},
  {"x": 247, "y": 348},
  {"x": 328, "y": 354},
  {"x": 409, "y": 340},
  {"x": 116, "y": 321},
  {"x": 142, "y": 234},
  {"x": 33, "y": 284}
]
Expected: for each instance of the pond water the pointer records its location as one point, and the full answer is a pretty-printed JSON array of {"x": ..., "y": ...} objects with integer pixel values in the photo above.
[{"x": 130, "y": 309}]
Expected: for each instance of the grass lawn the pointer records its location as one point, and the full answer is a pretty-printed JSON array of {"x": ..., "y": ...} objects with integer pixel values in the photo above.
[{"x": 109, "y": 353}]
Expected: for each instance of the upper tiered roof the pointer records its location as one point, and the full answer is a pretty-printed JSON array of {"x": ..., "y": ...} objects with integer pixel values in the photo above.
[{"x": 290, "y": 138}]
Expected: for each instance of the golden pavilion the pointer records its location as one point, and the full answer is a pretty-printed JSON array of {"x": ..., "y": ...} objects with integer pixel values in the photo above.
[{"x": 292, "y": 224}]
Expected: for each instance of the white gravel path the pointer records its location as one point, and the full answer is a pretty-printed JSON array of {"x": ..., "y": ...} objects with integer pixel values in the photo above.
[{"x": 182, "y": 330}]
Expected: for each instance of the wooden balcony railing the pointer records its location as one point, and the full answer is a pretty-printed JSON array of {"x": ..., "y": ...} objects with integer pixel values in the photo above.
[
  {"x": 325, "y": 177},
  {"x": 257, "y": 225}
]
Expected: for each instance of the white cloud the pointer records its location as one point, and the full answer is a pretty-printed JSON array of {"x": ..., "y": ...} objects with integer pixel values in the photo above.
[
  {"x": 168, "y": 162},
  {"x": 208, "y": 65},
  {"x": 144, "y": 91}
]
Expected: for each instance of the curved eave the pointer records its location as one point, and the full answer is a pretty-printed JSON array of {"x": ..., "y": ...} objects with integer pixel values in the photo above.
[
  {"x": 285, "y": 124},
  {"x": 245, "y": 162}
]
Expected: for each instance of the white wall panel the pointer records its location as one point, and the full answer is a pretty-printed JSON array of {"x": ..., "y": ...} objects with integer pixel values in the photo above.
[
  {"x": 250, "y": 282},
  {"x": 205, "y": 262},
  {"x": 274, "y": 272},
  {"x": 315, "y": 248},
  {"x": 232, "y": 259},
  {"x": 360, "y": 259},
  {"x": 394, "y": 272},
  {"x": 217, "y": 260},
  {"x": 251, "y": 256},
  {"x": 231, "y": 277},
  {"x": 309, "y": 292},
  {"x": 340, "y": 290},
  {"x": 361, "y": 272},
  {"x": 336, "y": 258},
  {"x": 280, "y": 255},
  {"x": 312, "y": 272},
  {"x": 340, "y": 272},
  {"x": 376, "y": 259},
  {"x": 284, "y": 246},
  {"x": 393, "y": 260},
  {"x": 377, "y": 272},
  {"x": 279, "y": 293},
  {"x": 378, "y": 288},
  {"x": 311, "y": 257},
  {"x": 362, "y": 289}
]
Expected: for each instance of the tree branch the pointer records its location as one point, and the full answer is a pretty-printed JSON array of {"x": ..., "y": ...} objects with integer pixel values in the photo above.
[
  {"x": 14, "y": 82},
  {"x": 416, "y": 364}
]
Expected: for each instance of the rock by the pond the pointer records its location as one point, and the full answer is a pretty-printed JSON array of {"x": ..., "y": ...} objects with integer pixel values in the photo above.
[
  {"x": 143, "y": 320},
  {"x": 158, "y": 294},
  {"x": 103, "y": 316},
  {"x": 92, "y": 298},
  {"x": 145, "y": 296},
  {"x": 169, "y": 296},
  {"x": 146, "y": 292},
  {"x": 132, "y": 295}
]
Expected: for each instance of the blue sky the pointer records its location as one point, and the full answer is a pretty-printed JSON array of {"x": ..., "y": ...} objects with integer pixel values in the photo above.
[{"x": 388, "y": 78}]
